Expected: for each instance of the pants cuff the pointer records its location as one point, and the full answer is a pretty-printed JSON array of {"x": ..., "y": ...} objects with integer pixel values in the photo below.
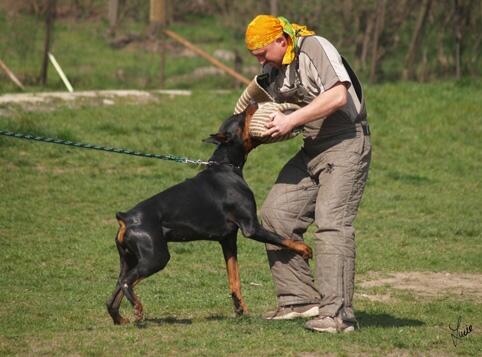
[{"x": 298, "y": 302}]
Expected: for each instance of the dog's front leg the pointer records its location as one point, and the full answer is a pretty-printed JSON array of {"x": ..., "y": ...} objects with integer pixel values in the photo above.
[
  {"x": 230, "y": 252},
  {"x": 261, "y": 234}
]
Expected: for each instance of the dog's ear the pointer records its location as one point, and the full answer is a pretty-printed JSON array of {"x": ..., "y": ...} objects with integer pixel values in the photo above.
[
  {"x": 211, "y": 139},
  {"x": 217, "y": 138}
]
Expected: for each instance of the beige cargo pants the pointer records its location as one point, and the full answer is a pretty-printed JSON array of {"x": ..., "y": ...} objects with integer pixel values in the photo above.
[{"x": 327, "y": 190}]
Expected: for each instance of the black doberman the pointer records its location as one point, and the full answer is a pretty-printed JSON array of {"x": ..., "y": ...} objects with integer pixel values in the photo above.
[{"x": 210, "y": 206}]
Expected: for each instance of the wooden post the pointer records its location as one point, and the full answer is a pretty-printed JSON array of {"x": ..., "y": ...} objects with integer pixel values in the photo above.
[
  {"x": 208, "y": 57},
  {"x": 11, "y": 75},
  {"x": 113, "y": 14},
  {"x": 61, "y": 73},
  {"x": 158, "y": 18}
]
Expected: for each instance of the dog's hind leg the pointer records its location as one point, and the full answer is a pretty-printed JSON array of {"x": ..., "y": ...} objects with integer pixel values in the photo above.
[
  {"x": 230, "y": 252},
  {"x": 113, "y": 305},
  {"x": 115, "y": 300},
  {"x": 128, "y": 290},
  {"x": 151, "y": 255}
]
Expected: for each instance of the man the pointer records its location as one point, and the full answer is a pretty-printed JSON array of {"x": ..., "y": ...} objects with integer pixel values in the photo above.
[{"x": 324, "y": 181}]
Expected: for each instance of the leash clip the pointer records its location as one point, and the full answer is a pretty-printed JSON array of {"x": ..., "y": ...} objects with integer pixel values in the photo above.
[{"x": 198, "y": 162}]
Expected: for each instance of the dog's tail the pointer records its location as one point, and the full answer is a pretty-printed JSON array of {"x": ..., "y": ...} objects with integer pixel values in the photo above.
[{"x": 121, "y": 219}]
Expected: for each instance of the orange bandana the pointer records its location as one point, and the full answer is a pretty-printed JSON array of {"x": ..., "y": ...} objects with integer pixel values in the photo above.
[{"x": 264, "y": 29}]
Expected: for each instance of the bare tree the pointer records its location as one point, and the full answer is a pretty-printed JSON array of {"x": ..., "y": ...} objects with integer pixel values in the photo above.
[
  {"x": 273, "y": 7},
  {"x": 378, "y": 19},
  {"x": 49, "y": 20},
  {"x": 365, "y": 29},
  {"x": 458, "y": 39},
  {"x": 414, "y": 49}
]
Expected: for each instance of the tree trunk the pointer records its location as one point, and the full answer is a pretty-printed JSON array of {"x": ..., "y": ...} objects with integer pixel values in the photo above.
[
  {"x": 49, "y": 19},
  {"x": 162, "y": 55},
  {"x": 273, "y": 7},
  {"x": 458, "y": 39},
  {"x": 376, "y": 35},
  {"x": 366, "y": 24},
  {"x": 414, "y": 49}
]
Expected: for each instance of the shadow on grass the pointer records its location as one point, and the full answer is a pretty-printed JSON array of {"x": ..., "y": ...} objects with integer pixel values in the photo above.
[
  {"x": 165, "y": 321},
  {"x": 385, "y": 320},
  {"x": 224, "y": 317},
  {"x": 171, "y": 320}
]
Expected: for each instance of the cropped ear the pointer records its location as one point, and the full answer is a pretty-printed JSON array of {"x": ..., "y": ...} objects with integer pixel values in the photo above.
[
  {"x": 211, "y": 139},
  {"x": 217, "y": 138}
]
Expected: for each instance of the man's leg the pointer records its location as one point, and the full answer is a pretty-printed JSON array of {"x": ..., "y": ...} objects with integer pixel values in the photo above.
[
  {"x": 289, "y": 210},
  {"x": 342, "y": 174}
]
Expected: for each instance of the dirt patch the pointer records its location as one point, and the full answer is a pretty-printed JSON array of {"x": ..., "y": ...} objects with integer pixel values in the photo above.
[
  {"x": 102, "y": 94},
  {"x": 47, "y": 101},
  {"x": 430, "y": 284}
]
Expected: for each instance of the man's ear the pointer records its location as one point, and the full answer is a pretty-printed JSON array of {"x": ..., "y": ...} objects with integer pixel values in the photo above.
[{"x": 281, "y": 40}]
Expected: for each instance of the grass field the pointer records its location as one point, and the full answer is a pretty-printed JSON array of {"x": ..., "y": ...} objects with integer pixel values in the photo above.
[
  {"x": 419, "y": 232},
  {"x": 83, "y": 51}
]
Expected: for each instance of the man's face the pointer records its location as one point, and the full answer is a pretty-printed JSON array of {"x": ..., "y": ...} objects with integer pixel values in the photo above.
[{"x": 273, "y": 53}]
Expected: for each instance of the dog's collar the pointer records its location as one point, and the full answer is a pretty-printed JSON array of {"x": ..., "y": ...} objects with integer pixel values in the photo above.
[{"x": 215, "y": 163}]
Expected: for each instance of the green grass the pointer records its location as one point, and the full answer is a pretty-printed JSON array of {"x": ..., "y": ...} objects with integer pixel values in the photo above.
[
  {"x": 58, "y": 261},
  {"x": 83, "y": 51}
]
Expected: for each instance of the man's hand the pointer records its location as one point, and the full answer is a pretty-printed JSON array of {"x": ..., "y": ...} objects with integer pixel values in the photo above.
[
  {"x": 325, "y": 104},
  {"x": 279, "y": 124}
]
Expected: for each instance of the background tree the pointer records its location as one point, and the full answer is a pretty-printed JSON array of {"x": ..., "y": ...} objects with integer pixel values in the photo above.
[
  {"x": 418, "y": 32},
  {"x": 421, "y": 40},
  {"x": 49, "y": 20}
]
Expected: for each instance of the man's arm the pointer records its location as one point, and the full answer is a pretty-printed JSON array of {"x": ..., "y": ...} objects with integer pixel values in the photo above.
[{"x": 322, "y": 106}]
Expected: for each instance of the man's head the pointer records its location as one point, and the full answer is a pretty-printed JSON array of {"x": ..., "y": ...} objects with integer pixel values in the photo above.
[
  {"x": 273, "y": 40},
  {"x": 273, "y": 53}
]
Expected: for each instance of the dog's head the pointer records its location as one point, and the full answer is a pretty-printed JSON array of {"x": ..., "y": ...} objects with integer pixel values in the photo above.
[
  {"x": 235, "y": 128},
  {"x": 233, "y": 133}
]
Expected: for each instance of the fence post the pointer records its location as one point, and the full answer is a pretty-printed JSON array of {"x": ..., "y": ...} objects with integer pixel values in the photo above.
[
  {"x": 159, "y": 17},
  {"x": 112, "y": 14}
]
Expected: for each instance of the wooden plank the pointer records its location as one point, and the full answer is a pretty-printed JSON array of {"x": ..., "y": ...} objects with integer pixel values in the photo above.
[
  {"x": 11, "y": 75},
  {"x": 208, "y": 57}
]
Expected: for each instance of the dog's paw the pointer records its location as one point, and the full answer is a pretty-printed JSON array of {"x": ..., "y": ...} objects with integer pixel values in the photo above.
[
  {"x": 299, "y": 247},
  {"x": 308, "y": 254},
  {"x": 238, "y": 303},
  {"x": 305, "y": 250},
  {"x": 121, "y": 321}
]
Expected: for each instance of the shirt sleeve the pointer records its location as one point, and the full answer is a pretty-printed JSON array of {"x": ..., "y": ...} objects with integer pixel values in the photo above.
[{"x": 320, "y": 65}]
